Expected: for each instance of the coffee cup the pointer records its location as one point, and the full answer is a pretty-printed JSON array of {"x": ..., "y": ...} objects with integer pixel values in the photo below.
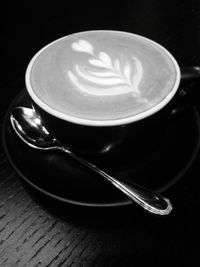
[{"x": 94, "y": 88}]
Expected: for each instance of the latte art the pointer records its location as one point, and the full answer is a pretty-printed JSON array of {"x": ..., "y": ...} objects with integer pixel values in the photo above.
[{"x": 104, "y": 76}]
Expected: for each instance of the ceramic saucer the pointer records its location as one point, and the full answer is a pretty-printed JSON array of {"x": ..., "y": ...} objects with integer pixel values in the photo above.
[{"x": 57, "y": 175}]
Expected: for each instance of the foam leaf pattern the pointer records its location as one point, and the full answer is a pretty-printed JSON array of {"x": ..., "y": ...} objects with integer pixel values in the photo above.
[
  {"x": 117, "y": 65},
  {"x": 97, "y": 63},
  {"x": 83, "y": 46},
  {"x": 102, "y": 73},
  {"x": 112, "y": 81},
  {"x": 106, "y": 59},
  {"x": 127, "y": 72},
  {"x": 107, "y": 72}
]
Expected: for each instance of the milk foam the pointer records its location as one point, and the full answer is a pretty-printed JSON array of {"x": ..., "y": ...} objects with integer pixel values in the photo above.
[{"x": 102, "y": 76}]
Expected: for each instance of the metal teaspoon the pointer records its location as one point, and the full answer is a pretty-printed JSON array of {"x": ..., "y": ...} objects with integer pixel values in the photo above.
[{"x": 28, "y": 126}]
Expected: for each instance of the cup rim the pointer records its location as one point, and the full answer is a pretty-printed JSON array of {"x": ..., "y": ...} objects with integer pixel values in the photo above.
[{"x": 113, "y": 122}]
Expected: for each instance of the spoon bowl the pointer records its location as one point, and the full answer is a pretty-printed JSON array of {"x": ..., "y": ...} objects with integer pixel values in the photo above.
[{"x": 28, "y": 125}]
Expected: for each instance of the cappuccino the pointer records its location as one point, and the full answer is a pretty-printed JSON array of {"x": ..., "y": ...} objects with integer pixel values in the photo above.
[{"x": 102, "y": 77}]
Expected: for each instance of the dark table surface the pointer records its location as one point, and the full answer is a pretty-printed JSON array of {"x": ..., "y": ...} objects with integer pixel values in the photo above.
[{"x": 38, "y": 231}]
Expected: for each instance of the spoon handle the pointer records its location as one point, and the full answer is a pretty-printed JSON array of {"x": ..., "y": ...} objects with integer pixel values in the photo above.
[{"x": 151, "y": 201}]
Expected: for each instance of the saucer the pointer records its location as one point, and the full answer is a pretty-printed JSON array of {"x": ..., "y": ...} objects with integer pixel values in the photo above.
[{"x": 57, "y": 175}]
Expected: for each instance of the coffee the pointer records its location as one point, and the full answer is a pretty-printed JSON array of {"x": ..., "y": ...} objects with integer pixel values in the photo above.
[{"x": 102, "y": 76}]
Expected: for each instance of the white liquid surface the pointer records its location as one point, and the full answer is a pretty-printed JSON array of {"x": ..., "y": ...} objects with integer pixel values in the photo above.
[{"x": 102, "y": 75}]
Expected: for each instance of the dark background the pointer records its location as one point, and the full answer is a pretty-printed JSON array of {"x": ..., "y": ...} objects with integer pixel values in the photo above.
[{"x": 27, "y": 27}]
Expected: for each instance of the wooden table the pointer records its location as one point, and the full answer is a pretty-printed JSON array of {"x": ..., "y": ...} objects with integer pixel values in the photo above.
[{"x": 38, "y": 231}]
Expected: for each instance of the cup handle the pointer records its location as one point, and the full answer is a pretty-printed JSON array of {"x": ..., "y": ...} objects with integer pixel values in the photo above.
[
  {"x": 190, "y": 73},
  {"x": 189, "y": 89},
  {"x": 190, "y": 77}
]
